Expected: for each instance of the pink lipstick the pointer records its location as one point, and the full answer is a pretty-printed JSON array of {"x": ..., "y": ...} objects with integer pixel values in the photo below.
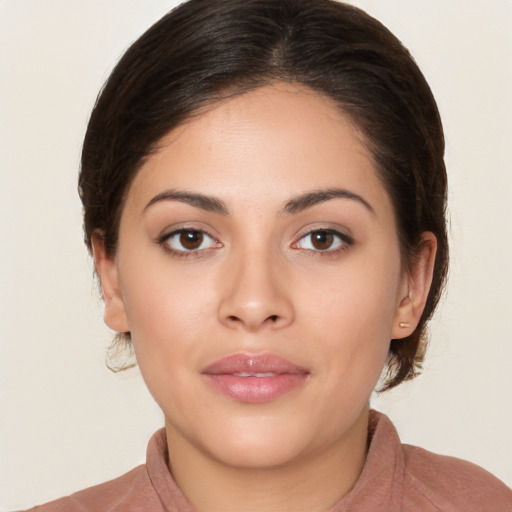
[{"x": 254, "y": 378}]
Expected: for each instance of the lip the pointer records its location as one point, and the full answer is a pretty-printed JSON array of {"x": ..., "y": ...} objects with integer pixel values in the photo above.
[{"x": 254, "y": 378}]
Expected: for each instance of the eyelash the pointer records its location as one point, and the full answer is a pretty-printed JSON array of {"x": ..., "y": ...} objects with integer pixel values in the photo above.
[{"x": 343, "y": 240}]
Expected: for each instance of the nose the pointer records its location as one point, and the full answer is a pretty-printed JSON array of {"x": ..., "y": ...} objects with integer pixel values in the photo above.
[{"x": 254, "y": 293}]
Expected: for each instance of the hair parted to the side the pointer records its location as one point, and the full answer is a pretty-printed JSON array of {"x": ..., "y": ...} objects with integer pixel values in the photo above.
[{"x": 207, "y": 50}]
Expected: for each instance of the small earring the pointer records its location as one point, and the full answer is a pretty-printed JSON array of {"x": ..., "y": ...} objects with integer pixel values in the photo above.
[{"x": 404, "y": 325}]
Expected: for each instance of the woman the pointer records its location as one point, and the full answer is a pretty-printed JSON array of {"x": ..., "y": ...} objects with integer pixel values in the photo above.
[{"x": 264, "y": 194}]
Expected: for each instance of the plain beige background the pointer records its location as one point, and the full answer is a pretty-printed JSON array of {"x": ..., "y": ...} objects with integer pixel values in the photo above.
[{"x": 66, "y": 422}]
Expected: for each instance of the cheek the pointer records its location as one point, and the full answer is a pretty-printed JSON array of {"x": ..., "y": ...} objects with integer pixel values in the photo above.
[
  {"x": 167, "y": 310},
  {"x": 167, "y": 314},
  {"x": 352, "y": 311},
  {"x": 360, "y": 297}
]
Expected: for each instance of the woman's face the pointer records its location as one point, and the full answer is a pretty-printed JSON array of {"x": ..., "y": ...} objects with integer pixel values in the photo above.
[{"x": 258, "y": 271}]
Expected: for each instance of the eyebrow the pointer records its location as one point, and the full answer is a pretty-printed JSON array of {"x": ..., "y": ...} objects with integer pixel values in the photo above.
[
  {"x": 307, "y": 200},
  {"x": 295, "y": 205},
  {"x": 207, "y": 203}
]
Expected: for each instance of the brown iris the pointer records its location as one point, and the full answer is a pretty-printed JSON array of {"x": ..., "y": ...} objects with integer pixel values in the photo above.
[
  {"x": 191, "y": 239},
  {"x": 322, "y": 240}
]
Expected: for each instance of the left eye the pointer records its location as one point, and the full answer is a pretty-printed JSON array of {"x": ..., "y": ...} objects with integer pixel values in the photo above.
[
  {"x": 323, "y": 240},
  {"x": 189, "y": 240}
]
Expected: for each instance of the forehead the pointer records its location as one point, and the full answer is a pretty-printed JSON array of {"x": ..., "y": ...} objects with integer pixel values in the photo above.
[{"x": 268, "y": 144}]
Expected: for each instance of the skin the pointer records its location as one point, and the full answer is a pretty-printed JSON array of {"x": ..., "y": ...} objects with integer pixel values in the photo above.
[{"x": 257, "y": 284}]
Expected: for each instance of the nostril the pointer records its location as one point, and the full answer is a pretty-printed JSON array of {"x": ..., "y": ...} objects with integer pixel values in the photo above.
[{"x": 252, "y": 322}]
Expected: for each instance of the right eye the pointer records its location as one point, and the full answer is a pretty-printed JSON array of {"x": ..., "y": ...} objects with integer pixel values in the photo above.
[{"x": 186, "y": 240}]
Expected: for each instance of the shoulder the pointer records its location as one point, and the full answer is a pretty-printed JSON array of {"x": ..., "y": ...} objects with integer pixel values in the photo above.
[
  {"x": 132, "y": 492},
  {"x": 450, "y": 484}
]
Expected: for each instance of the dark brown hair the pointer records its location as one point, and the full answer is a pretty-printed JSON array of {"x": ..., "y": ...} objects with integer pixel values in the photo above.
[{"x": 207, "y": 50}]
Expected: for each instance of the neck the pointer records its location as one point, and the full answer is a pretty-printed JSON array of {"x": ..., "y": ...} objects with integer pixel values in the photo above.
[{"x": 313, "y": 482}]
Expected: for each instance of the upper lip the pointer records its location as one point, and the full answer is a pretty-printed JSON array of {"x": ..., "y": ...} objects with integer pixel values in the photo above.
[{"x": 253, "y": 363}]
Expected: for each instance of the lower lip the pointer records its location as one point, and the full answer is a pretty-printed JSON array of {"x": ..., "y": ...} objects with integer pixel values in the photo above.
[{"x": 256, "y": 390}]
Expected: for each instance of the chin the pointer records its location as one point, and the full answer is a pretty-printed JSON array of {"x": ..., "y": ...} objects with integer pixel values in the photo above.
[
  {"x": 264, "y": 441},
  {"x": 259, "y": 451}
]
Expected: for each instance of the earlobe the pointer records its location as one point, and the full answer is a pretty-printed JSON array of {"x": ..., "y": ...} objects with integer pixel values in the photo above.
[
  {"x": 114, "y": 313},
  {"x": 415, "y": 289}
]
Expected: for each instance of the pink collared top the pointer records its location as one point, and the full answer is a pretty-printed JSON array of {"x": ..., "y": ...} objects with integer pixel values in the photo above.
[{"x": 396, "y": 478}]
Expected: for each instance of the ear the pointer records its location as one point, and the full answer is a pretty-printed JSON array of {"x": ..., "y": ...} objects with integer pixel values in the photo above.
[
  {"x": 114, "y": 313},
  {"x": 415, "y": 288}
]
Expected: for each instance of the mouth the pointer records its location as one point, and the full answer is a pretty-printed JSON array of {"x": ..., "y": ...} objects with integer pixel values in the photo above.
[{"x": 254, "y": 378}]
